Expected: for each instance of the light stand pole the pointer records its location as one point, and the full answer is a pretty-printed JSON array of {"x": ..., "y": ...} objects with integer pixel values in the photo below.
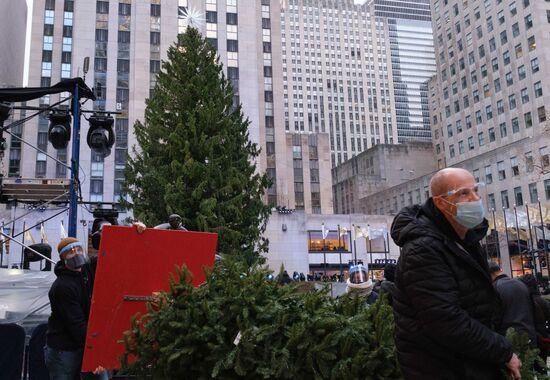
[
  {"x": 324, "y": 252},
  {"x": 75, "y": 163}
]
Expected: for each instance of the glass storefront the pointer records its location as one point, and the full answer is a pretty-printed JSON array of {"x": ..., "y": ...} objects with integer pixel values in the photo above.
[{"x": 332, "y": 243}]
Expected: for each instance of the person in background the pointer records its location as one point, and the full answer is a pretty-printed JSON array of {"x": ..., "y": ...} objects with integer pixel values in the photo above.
[
  {"x": 388, "y": 286},
  {"x": 516, "y": 308},
  {"x": 360, "y": 284},
  {"x": 444, "y": 301},
  {"x": 70, "y": 297},
  {"x": 541, "y": 314}
]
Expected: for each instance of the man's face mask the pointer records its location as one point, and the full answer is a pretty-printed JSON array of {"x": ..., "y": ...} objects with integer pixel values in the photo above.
[
  {"x": 75, "y": 257},
  {"x": 469, "y": 213}
]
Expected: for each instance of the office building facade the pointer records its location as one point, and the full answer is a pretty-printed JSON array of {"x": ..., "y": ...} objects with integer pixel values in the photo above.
[
  {"x": 13, "y": 21},
  {"x": 413, "y": 63},
  {"x": 491, "y": 95}
]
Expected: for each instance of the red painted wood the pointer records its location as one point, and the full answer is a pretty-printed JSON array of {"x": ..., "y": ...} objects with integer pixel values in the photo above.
[{"x": 132, "y": 264}]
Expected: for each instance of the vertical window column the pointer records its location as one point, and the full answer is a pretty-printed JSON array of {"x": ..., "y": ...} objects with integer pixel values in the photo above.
[
  {"x": 154, "y": 58},
  {"x": 121, "y": 152}
]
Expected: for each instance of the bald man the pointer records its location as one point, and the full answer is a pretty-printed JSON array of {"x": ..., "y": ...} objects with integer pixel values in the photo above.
[{"x": 444, "y": 301}]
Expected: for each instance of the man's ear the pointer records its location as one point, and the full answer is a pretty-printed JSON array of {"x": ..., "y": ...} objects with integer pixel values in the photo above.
[{"x": 438, "y": 202}]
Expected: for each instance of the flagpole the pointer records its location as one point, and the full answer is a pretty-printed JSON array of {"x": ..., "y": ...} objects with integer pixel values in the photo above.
[
  {"x": 354, "y": 246},
  {"x": 340, "y": 253},
  {"x": 532, "y": 250},
  {"x": 519, "y": 241},
  {"x": 324, "y": 252},
  {"x": 497, "y": 236},
  {"x": 23, "y": 242},
  {"x": 3, "y": 249},
  {"x": 545, "y": 246},
  {"x": 508, "y": 241}
]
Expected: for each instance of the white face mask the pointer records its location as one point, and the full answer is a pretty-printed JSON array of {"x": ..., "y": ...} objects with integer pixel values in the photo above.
[{"x": 470, "y": 214}]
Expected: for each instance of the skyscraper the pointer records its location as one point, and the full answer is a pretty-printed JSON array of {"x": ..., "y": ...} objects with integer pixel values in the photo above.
[
  {"x": 489, "y": 98},
  {"x": 413, "y": 63},
  {"x": 13, "y": 21}
]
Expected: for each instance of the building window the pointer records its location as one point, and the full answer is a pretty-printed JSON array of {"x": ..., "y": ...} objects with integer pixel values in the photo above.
[
  {"x": 538, "y": 89},
  {"x": 506, "y": 57},
  {"x": 531, "y": 43},
  {"x": 154, "y": 66},
  {"x": 521, "y": 72},
  {"x": 547, "y": 188},
  {"x": 541, "y": 114},
  {"x": 491, "y": 201},
  {"x": 101, "y": 35},
  {"x": 124, "y": 9},
  {"x": 525, "y": 95},
  {"x": 534, "y": 65},
  {"x": 232, "y": 45},
  {"x": 529, "y": 162},
  {"x": 515, "y": 125},
  {"x": 518, "y": 50},
  {"x": 123, "y": 36},
  {"x": 503, "y": 37},
  {"x": 155, "y": 10},
  {"x": 154, "y": 38},
  {"x": 501, "y": 170},
  {"x": 500, "y": 107},
  {"x": 528, "y": 119},
  {"x": 232, "y": 18},
  {"x": 528, "y": 22},
  {"x": 514, "y": 165},
  {"x": 503, "y": 130},
  {"x": 515, "y": 29},
  {"x": 509, "y": 79},
  {"x": 102, "y": 7},
  {"x": 518, "y": 196},
  {"x": 492, "y": 136},
  {"x": 533, "y": 193},
  {"x": 212, "y": 17},
  {"x": 488, "y": 175},
  {"x": 504, "y": 199},
  {"x": 480, "y": 139},
  {"x": 512, "y": 102},
  {"x": 489, "y": 112}
]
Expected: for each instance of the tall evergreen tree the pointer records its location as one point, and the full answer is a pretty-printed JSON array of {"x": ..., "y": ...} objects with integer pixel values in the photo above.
[{"x": 194, "y": 157}]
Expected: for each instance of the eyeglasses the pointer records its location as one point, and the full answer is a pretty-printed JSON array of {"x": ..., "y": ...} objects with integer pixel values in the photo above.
[
  {"x": 464, "y": 192},
  {"x": 76, "y": 249}
]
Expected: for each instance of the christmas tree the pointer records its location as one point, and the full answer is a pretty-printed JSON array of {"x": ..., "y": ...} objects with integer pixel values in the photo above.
[
  {"x": 242, "y": 325},
  {"x": 194, "y": 157}
]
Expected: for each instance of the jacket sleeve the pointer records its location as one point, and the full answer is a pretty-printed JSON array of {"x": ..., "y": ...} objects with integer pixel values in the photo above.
[
  {"x": 432, "y": 288},
  {"x": 68, "y": 305}
]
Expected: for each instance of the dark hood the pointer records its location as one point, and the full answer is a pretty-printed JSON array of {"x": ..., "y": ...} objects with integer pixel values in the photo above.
[
  {"x": 407, "y": 225},
  {"x": 426, "y": 220},
  {"x": 61, "y": 270}
]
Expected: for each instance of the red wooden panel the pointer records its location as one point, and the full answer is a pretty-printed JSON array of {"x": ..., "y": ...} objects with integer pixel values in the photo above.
[{"x": 132, "y": 264}]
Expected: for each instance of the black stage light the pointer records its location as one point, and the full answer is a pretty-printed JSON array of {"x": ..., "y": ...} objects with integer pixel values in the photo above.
[{"x": 59, "y": 132}]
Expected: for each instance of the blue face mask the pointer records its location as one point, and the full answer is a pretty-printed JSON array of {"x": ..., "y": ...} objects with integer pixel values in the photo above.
[{"x": 470, "y": 214}]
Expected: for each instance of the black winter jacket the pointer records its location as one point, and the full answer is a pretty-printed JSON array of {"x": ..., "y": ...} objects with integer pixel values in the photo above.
[
  {"x": 70, "y": 298},
  {"x": 444, "y": 301},
  {"x": 517, "y": 307}
]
